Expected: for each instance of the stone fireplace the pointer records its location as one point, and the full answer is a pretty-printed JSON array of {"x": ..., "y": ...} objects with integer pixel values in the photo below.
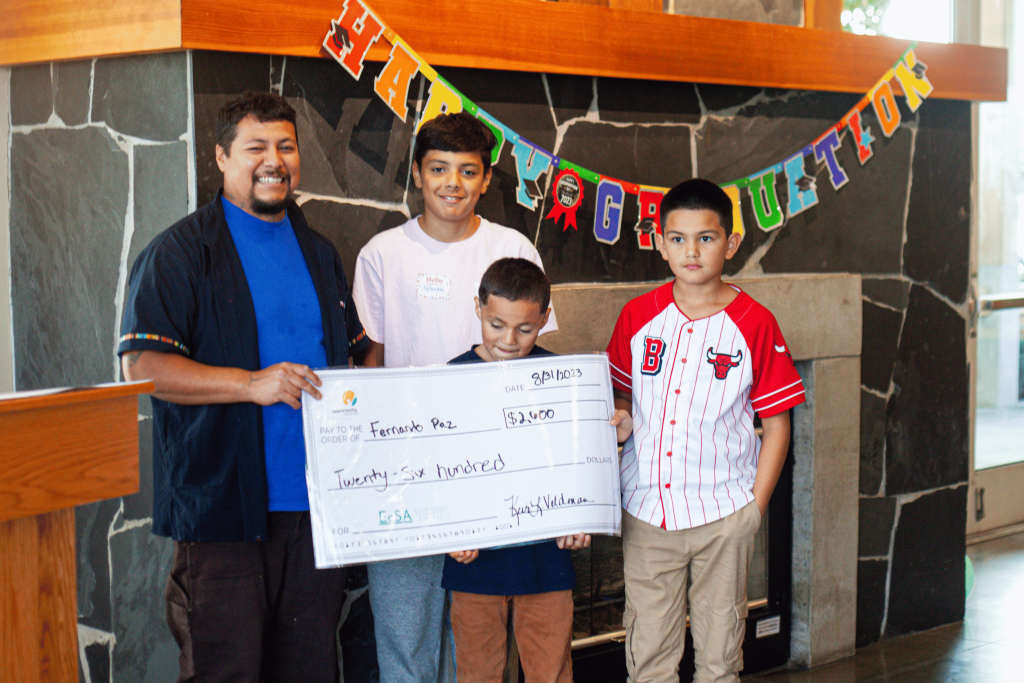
[
  {"x": 820, "y": 316},
  {"x": 869, "y": 287}
]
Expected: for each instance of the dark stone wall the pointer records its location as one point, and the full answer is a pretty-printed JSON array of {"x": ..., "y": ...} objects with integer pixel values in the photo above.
[
  {"x": 100, "y": 162},
  {"x": 99, "y": 166},
  {"x": 902, "y": 221}
]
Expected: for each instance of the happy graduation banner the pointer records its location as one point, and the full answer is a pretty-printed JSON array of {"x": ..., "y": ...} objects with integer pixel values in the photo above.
[{"x": 359, "y": 27}]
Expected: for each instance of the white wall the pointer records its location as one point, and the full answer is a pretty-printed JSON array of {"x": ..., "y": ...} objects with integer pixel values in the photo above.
[{"x": 6, "y": 331}]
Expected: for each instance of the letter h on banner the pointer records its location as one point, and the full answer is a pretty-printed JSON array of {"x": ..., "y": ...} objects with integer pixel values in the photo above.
[{"x": 351, "y": 36}]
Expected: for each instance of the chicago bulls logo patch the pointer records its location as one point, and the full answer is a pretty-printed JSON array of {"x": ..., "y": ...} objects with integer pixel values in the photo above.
[
  {"x": 654, "y": 349},
  {"x": 723, "y": 362}
]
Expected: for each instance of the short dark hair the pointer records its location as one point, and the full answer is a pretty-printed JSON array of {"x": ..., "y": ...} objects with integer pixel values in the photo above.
[
  {"x": 262, "y": 106},
  {"x": 516, "y": 279},
  {"x": 460, "y": 132},
  {"x": 695, "y": 195}
]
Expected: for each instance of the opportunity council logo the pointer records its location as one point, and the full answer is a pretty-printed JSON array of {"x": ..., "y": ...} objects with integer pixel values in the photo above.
[{"x": 349, "y": 399}]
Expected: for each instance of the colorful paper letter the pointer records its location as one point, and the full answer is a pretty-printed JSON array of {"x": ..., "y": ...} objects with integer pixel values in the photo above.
[
  {"x": 393, "y": 82},
  {"x": 766, "y": 203},
  {"x": 915, "y": 88},
  {"x": 737, "y": 212},
  {"x": 501, "y": 132},
  {"x": 425, "y": 69},
  {"x": 861, "y": 135},
  {"x": 825, "y": 151},
  {"x": 608, "y": 217},
  {"x": 650, "y": 217},
  {"x": 531, "y": 163},
  {"x": 442, "y": 100},
  {"x": 800, "y": 199},
  {"x": 885, "y": 108},
  {"x": 351, "y": 36}
]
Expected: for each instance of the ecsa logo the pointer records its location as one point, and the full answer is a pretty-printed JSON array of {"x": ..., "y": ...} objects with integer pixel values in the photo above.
[
  {"x": 349, "y": 397},
  {"x": 399, "y": 517}
]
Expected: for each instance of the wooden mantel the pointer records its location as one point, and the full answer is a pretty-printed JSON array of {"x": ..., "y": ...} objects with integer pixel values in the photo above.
[{"x": 517, "y": 35}]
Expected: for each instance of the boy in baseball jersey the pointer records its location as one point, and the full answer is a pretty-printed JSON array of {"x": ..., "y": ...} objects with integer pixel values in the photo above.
[
  {"x": 415, "y": 286},
  {"x": 692, "y": 361}
]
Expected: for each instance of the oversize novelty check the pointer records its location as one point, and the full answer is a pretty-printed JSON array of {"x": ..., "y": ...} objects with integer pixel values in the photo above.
[{"x": 403, "y": 462}]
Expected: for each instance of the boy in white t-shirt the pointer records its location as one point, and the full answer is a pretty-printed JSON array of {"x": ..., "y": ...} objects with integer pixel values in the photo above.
[{"x": 414, "y": 287}]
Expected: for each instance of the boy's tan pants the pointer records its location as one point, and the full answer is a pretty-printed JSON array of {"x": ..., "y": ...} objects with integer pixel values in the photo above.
[{"x": 715, "y": 558}]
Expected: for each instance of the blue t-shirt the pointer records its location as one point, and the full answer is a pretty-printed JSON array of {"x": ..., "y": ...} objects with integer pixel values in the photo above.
[
  {"x": 524, "y": 569},
  {"x": 290, "y": 329}
]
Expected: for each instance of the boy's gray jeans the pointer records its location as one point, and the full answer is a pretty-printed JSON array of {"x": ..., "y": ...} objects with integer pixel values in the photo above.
[{"x": 408, "y": 606}]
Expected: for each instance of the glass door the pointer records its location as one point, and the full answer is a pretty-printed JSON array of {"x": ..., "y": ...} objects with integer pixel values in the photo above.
[{"x": 997, "y": 458}]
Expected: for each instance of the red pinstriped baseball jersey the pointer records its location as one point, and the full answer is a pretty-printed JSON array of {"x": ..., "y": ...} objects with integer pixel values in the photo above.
[{"x": 692, "y": 457}]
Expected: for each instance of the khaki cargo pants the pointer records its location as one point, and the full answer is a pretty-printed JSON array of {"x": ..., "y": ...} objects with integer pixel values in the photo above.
[{"x": 714, "y": 559}]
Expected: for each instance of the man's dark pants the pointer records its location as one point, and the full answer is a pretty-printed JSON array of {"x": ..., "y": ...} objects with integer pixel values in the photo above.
[{"x": 256, "y": 612}]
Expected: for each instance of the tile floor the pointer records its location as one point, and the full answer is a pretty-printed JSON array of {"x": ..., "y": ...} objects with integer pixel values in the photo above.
[{"x": 988, "y": 647}]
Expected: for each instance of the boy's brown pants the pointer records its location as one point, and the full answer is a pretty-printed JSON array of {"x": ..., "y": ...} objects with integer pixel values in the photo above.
[
  {"x": 715, "y": 559},
  {"x": 543, "y": 628}
]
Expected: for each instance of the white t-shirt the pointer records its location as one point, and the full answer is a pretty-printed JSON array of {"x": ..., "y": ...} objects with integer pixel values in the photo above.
[{"x": 415, "y": 294}]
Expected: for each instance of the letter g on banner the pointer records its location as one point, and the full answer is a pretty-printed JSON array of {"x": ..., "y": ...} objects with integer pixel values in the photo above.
[{"x": 608, "y": 217}]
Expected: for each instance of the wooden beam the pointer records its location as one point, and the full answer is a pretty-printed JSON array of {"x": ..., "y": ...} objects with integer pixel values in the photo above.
[
  {"x": 570, "y": 38},
  {"x": 516, "y": 35},
  {"x": 45, "y": 30},
  {"x": 635, "y": 5},
  {"x": 823, "y": 14}
]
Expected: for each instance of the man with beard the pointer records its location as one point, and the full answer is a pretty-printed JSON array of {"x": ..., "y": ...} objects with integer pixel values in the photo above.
[{"x": 228, "y": 310}]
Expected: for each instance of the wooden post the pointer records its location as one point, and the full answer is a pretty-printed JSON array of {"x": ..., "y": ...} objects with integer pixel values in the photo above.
[{"x": 56, "y": 452}]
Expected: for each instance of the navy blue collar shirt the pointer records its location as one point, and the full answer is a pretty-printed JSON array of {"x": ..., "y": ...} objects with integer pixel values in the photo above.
[{"x": 188, "y": 294}]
